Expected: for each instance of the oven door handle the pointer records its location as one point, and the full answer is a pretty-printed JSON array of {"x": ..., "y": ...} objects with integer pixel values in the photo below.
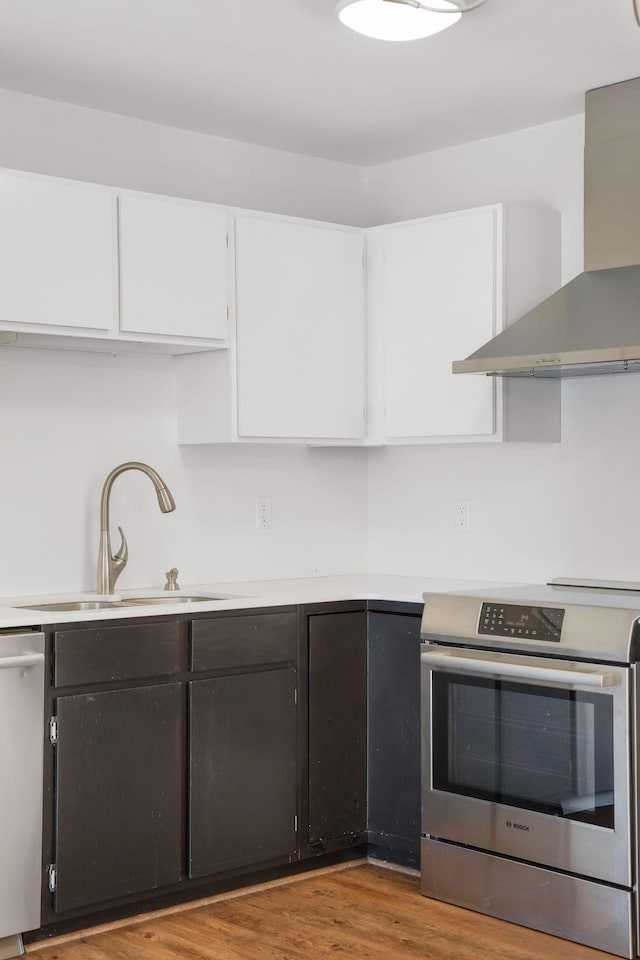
[{"x": 522, "y": 671}]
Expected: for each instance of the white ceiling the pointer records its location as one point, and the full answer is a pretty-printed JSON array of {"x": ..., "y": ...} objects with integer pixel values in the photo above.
[{"x": 287, "y": 74}]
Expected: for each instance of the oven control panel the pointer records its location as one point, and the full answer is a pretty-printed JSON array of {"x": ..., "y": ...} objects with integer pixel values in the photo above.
[{"x": 520, "y": 622}]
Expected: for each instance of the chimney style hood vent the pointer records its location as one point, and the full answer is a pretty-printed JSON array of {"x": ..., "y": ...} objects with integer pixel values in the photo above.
[{"x": 592, "y": 325}]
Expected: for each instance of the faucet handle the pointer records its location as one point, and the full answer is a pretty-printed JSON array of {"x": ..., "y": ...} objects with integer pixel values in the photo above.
[
  {"x": 172, "y": 579},
  {"x": 122, "y": 554}
]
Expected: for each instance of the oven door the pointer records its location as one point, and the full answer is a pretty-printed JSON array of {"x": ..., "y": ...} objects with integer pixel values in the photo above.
[{"x": 528, "y": 757}]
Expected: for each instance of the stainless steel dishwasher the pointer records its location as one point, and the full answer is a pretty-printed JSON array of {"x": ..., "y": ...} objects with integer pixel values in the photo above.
[{"x": 21, "y": 756}]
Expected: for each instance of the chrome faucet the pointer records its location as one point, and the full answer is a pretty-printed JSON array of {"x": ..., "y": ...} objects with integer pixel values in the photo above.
[{"x": 111, "y": 566}]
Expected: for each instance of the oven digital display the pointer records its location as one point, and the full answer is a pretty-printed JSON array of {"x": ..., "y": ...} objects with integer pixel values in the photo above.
[{"x": 512, "y": 620}]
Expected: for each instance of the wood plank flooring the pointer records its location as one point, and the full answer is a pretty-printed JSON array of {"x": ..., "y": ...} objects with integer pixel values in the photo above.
[{"x": 365, "y": 913}]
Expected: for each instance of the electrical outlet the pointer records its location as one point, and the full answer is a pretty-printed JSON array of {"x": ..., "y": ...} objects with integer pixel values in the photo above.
[
  {"x": 463, "y": 516},
  {"x": 263, "y": 513}
]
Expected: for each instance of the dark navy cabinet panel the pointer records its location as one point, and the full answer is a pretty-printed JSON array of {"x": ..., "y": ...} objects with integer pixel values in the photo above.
[
  {"x": 337, "y": 727},
  {"x": 394, "y": 737}
]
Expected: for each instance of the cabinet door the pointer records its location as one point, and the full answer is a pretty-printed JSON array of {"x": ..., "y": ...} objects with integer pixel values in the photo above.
[
  {"x": 300, "y": 330},
  {"x": 337, "y": 726},
  {"x": 119, "y": 793},
  {"x": 57, "y": 254},
  {"x": 243, "y": 783},
  {"x": 394, "y": 736},
  {"x": 173, "y": 268},
  {"x": 439, "y": 303}
]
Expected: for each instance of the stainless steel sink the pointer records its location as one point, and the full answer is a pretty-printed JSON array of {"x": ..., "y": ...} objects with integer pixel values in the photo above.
[
  {"x": 180, "y": 598},
  {"x": 79, "y": 605},
  {"x": 75, "y": 605}
]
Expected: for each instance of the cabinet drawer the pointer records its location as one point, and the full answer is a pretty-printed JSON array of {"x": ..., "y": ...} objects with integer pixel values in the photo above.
[
  {"x": 116, "y": 653},
  {"x": 226, "y": 642}
]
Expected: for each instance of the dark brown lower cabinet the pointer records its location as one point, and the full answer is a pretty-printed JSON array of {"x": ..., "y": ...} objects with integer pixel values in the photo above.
[
  {"x": 181, "y": 759},
  {"x": 119, "y": 793},
  {"x": 243, "y": 772},
  {"x": 337, "y": 727}
]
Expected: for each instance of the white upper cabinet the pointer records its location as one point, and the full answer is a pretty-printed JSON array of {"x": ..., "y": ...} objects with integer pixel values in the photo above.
[
  {"x": 300, "y": 329},
  {"x": 440, "y": 302},
  {"x": 57, "y": 254},
  {"x": 269, "y": 312},
  {"x": 173, "y": 268},
  {"x": 438, "y": 289}
]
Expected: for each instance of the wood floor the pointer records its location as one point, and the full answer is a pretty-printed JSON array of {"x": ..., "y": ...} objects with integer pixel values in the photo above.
[{"x": 362, "y": 912}]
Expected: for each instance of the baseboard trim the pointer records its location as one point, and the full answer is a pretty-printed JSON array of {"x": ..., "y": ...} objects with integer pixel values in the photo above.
[
  {"x": 394, "y": 867},
  {"x": 191, "y": 905}
]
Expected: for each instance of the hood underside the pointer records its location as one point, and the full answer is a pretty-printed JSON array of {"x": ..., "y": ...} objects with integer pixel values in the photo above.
[{"x": 590, "y": 326}]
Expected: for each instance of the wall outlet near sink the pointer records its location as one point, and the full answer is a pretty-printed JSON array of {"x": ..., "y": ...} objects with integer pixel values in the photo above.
[
  {"x": 263, "y": 513},
  {"x": 463, "y": 516}
]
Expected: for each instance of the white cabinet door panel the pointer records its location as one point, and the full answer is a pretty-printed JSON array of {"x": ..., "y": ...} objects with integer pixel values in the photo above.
[
  {"x": 439, "y": 304},
  {"x": 300, "y": 330},
  {"x": 173, "y": 268},
  {"x": 57, "y": 253}
]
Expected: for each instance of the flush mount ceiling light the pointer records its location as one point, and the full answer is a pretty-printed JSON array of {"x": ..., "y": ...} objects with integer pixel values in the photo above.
[{"x": 402, "y": 19}]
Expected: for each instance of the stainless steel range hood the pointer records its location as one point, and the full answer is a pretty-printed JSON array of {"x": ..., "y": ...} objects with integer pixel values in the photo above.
[{"x": 592, "y": 325}]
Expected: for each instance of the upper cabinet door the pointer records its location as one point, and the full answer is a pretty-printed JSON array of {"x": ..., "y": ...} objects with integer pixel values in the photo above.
[
  {"x": 57, "y": 253},
  {"x": 300, "y": 335},
  {"x": 439, "y": 290},
  {"x": 173, "y": 268}
]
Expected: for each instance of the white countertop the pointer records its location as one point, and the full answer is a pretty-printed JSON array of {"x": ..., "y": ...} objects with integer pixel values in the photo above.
[{"x": 243, "y": 595}]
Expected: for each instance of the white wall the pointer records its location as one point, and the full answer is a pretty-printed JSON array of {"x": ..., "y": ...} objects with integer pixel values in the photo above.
[
  {"x": 539, "y": 166},
  {"x": 67, "y": 418},
  {"x": 538, "y": 510},
  {"x": 44, "y": 136}
]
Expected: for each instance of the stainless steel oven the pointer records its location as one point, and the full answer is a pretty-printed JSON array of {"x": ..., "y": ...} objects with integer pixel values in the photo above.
[{"x": 528, "y": 760}]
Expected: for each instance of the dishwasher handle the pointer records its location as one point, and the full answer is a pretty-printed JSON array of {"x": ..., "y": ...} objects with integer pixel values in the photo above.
[
  {"x": 21, "y": 660},
  {"x": 522, "y": 671}
]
